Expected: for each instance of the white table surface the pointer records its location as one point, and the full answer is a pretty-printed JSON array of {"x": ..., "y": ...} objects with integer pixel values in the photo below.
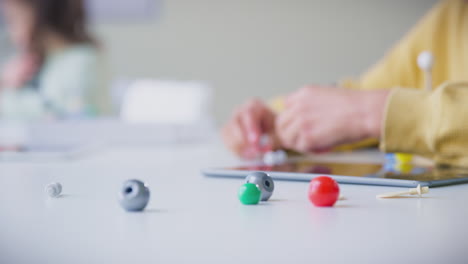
[{"x": 194, "y": 219}]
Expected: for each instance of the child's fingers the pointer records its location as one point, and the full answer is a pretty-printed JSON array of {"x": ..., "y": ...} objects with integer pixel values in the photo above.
[
  {"x": 233, "y": 137},
  {"x": 251, "y": 127}
]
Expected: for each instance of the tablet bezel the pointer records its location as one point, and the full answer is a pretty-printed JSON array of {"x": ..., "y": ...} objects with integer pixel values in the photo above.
[{"x": 362, "y": 180}]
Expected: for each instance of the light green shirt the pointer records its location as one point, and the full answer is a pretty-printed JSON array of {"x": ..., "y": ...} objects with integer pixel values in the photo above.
[{"x": 69, "y": 85}]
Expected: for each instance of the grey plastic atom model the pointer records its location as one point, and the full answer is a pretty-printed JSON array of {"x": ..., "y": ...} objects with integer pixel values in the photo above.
[
  {"x": 264, "y": 182},
  {"x": 54, "y": 189},
  {"x": 134, "y": 195}
]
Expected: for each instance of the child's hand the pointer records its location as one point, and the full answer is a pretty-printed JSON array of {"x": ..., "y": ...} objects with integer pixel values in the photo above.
[
  {"x": 19, "y": 71},
  {"x": 249, "y": 122},
  {"x": 319, "y": 118}
]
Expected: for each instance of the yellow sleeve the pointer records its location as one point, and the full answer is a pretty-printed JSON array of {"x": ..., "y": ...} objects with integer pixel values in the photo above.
[
  {"x": 431, "y": 124},
  {"x": 435, "y": 32}
]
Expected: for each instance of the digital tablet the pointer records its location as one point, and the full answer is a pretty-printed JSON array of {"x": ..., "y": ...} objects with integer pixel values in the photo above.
[{"x": 385, "y": 174}]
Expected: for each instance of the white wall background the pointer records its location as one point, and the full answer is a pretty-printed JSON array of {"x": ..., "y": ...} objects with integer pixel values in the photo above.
[{"x": 257, "y": 47}]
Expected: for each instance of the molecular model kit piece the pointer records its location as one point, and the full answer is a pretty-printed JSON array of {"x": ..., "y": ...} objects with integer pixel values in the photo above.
[
  {"x": 249, "y": 194},
  {"x": 264, "y": 183},
  {"x": 134, "y": 195},
  {"x": 272, "y": 158},
  {"x": 413, "y": 191},
  {"x": 53, "y": 189},
  {"x": 323, "y": 191},
  {"x": 426, "y": 62}
]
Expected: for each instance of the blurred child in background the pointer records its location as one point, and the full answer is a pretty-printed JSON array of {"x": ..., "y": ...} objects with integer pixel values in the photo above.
[{"x": 55, "y": 72}]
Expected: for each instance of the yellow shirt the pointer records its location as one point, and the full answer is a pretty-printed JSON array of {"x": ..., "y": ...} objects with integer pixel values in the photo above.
[{"x": 443, "y": 32}]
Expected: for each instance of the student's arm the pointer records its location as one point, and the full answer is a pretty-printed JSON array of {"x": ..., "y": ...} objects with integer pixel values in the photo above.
[
  {"x": 437, "y": 32},
  {"x": 431, "y": 124}
]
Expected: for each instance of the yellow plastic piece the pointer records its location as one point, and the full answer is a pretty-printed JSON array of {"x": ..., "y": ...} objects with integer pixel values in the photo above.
[
  {"x": 403, "y": 158},
  {"x": 403, "y": 167}
]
